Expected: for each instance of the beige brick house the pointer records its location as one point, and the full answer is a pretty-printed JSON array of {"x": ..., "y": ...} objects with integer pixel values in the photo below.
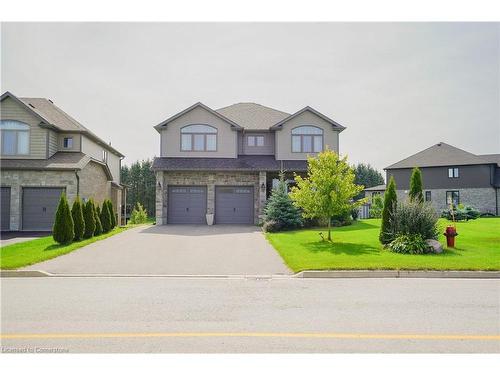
[
  {"x": 44, "y": 152},
  {"x": 221, "y": 164}
]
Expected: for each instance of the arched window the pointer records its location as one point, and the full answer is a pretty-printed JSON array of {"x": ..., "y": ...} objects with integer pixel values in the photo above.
[
  {"x": 307, "y": 138},
  {"x": 15, "y": 137},
  {"x": 198, "y": 137}
]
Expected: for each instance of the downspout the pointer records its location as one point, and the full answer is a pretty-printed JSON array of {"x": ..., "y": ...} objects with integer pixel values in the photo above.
[{"x": 77, "y": 183}]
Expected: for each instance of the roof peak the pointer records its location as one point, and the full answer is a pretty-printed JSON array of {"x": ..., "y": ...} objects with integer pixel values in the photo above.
[
  {"x": 438, "y": 155},
  {"x": 251, "y": 103}
]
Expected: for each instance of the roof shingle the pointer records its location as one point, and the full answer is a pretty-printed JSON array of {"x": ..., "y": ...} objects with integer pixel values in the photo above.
[
  {"x": 242, "y": 163},
  {"x": 440, "y": 155},
  {"x": 253, "y": 116}
]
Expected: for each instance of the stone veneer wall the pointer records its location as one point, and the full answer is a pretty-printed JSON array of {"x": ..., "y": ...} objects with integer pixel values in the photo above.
[
  {"x": 16, "y": 180},
  {"x": 210, "y": 180},
  {"x": 94, "y": 183},
  {"x": 482, "y": 199}
]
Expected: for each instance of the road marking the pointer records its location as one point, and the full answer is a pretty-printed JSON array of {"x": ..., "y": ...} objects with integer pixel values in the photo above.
[{"x": 248, "y": 334}]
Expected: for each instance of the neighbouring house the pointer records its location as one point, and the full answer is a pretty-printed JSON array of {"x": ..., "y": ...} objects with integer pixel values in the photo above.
[
  {"x": 452, "y": 176},
  {"x": 44, "y": 152},
  {"x": 372, "y": 191},
  {"x": 224, "y": 162}
]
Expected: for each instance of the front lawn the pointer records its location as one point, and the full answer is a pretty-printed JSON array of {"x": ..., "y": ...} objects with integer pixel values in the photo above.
[
  {"x": 357, "y": 247},
  {"x": 30, "y": 252}
]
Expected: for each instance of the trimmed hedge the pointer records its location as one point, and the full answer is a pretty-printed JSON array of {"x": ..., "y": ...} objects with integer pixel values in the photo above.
[
  {"x": 105, "y": 217},
  {"x": 89, "y": 217},
  {"x": 78, "y": 220},
  {"x": 97, "y": 216},
  {"x": 63, "y": 230}
]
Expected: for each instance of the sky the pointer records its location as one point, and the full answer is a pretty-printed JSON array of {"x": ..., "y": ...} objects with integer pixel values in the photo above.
[{"x": 397, "y": 87}]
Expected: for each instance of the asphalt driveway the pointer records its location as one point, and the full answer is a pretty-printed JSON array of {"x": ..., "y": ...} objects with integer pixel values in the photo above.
[{"x": 174, "y": 250}]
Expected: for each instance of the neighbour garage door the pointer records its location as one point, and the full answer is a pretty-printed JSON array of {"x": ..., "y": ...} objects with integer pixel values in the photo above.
[
  {"x": 5, "y": 198},
  {"x": 39, "y": 207},
  {"x": 187, "y": 205},
  {"x": 234, "y": 205}
]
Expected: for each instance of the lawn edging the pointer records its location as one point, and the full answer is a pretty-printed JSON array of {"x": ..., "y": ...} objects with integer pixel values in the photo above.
[{"x": 360, "y": 274}]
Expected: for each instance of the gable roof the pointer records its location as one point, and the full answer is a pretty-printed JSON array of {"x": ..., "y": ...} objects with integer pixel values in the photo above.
[
  {"x": 440, "y": 155},
  {"x": 199, "y": 104},
  {"x": 253, "y": 116},
  {"x": 491, "y": 158},
  {"x": 54, "y": 117},
  {"x": 335, "y": 124},
  {"x": 60, "y": 161}
]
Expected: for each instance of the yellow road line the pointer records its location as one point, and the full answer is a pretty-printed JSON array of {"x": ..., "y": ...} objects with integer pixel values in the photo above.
[{"x": 248, "y": 334}]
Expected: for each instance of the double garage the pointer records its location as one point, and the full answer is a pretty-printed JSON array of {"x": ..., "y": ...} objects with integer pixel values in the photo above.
[
  {"x": 38, "y": 207},
  {"x": 188, "y": 204}
]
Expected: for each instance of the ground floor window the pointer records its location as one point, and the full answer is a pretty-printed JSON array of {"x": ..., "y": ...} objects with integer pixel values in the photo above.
[
  {"x": 453, "y": 198},
  {"x": 428, "y": 196}
]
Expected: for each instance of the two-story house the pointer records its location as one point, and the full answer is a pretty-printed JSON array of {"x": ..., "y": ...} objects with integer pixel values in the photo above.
[
  {"x": 452, "y": 176},
  {"x": 44, "y": 152},
  {"x": 224, "y": 162}
]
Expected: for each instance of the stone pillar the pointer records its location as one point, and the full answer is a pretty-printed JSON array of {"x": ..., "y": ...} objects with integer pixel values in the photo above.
[
  {"x": 159, "y": 197},
  {"x": 15, "y": 206},
  {"x": 211, "y": 194},
  {"x": 262, "y": 193}
]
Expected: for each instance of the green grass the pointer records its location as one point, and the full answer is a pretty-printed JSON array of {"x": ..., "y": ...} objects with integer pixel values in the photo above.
[
  {"x": 357, "y": 247},
  {"x": 30, "y": 252}
]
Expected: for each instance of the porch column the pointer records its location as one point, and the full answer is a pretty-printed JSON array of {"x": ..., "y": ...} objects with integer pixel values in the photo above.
[
  {"x": 159, "y": 197},
  {"x": 262, "y": 193}
]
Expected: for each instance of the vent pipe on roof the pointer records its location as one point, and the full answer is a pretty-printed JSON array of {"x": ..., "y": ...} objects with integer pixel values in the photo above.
[{"x": 439, "y": 144}]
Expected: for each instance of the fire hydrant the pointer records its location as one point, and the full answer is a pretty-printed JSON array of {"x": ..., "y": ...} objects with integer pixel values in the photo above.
[{"x": 450, "y": 234}]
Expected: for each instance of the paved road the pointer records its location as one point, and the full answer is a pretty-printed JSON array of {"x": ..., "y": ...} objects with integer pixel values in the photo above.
[
  {"x": 151, "y": 314},
  {"x": 174, "y": 250}
]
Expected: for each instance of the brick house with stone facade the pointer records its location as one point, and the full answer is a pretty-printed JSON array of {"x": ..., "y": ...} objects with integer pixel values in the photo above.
[
  {"x": 222, "y": 164},
  {"x": 452, "y": 175},
  {"x": 44, "y": 152}
]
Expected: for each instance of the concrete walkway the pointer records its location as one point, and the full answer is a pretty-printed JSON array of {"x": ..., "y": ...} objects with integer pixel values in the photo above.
[{"x": 174, "y": 250}]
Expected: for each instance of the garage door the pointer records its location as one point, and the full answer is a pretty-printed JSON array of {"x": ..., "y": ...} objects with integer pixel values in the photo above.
[
  {"x": 39, "y": 207},
  {"x": 5, "y": 198},
  {"x": 187, "y": 205},
  {"x": 234, "y": 204}
]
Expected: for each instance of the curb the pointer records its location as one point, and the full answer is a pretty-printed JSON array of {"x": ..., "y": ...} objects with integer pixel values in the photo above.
[
  {"x": 24, "y": 273},
  {"x": 359, "y": 274},
  {"x": 340, "y": 274}
]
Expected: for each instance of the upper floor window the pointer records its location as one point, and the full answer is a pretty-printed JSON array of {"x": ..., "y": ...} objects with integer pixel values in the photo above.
[
  {"x": 105, "y": 156},
  {"x": 15, "y": 137},
  {"x": 453, "y": 172},
  {"x": 198, "y": 137},
  {"x": 307, "y": 139},
  {"x": 68, "y": 142},
  {"x": 255, "y": 140}
]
